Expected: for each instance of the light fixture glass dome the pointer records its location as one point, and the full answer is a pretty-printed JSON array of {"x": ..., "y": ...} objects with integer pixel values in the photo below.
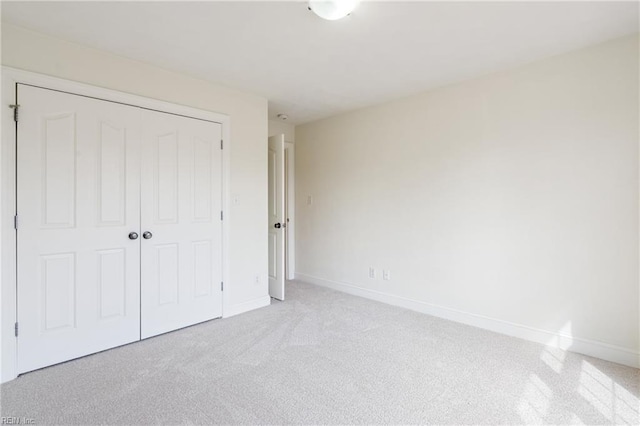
[{"x": 332, "y": 9}]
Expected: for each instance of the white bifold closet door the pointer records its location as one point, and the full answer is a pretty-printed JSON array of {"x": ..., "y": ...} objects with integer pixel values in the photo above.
[
  {"x": 78, "y": 198},
  {"x": 181, "y": 208},
  {"x": 87, "y": 279}
]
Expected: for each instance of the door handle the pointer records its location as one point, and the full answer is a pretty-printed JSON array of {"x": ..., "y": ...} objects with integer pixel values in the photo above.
[
  {"x": 133, "y": 235},
  {"x": 277, "y": 225},
  {"x": 147, "y": 235}
]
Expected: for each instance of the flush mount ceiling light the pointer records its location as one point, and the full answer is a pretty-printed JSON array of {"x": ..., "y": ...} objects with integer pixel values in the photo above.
[{"x": 332, "y": 9}]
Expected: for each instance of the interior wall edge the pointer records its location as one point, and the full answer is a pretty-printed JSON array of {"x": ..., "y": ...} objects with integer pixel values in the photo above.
[{"x": 278, "y": 127}]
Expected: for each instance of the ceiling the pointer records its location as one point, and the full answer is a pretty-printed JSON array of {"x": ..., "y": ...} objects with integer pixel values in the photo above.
[{"x": 309, "y": 68}]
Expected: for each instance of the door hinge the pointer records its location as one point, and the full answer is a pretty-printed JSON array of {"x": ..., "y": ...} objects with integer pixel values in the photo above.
[
  {"x": 221, "y": 286},
  {"x": 221, "y": 215},
  {"x": 15, "y": 222},
  {"x": 16, "y": 329},
  {"x": 15, "y": 108},
  {"x": 221, "y": 143}
]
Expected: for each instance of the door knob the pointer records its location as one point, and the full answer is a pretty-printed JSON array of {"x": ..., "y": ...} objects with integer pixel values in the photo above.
[
  {"x": 277, "y": 225},
  {"x": 147, "y": 235},
  {"x": 133, "y": 235}
]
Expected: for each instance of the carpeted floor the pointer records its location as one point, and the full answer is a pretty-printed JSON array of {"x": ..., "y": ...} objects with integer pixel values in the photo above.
[{"x": 324, "y": 357}]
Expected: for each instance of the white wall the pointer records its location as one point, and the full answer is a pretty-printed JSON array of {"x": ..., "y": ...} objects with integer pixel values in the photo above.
[
  {"x": 279, "y": 127},
  {"x": 509, "y": 201},
  {"x": 248, "y": 180}
]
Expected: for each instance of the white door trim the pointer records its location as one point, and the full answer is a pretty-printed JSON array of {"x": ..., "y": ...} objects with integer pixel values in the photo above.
[
  {"x": 291, "y": 211},
  {"x": 11, "y": 77}
]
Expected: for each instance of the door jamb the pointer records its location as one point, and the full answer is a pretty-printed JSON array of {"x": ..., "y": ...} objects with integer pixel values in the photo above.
[
  {"x": 8, "y": 295},
  {"x": 290, "y": 243}
]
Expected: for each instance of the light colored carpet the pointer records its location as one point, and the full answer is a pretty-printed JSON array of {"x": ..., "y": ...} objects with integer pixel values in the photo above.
[{"x": 324, "y": 357}]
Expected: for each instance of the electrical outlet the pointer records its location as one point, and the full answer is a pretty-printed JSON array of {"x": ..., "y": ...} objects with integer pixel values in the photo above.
[
  {"x": 386, "y": 275},
  {"x": 309, "y": 200},
  {"x": 372, "y": 273},
  {"x": 257, "y": 279}
]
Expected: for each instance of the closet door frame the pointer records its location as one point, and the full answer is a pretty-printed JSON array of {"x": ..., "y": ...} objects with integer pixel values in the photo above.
[{"x": 8, "y": 236}]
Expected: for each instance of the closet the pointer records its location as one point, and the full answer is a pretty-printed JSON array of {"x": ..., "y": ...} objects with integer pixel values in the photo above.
[{"x": 119, "y": 233}]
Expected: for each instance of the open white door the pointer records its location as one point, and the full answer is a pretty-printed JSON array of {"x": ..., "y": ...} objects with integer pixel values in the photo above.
[{"x": 276, "y": 217}]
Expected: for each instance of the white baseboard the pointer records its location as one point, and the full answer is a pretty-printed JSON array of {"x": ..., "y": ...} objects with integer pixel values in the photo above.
[
  {"x": 250, "y": 305},
  {"x": 592, "y": 348}
]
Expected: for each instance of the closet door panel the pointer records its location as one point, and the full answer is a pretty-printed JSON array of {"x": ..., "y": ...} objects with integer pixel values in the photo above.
[
  {"x": 78, "y": 199},
  {"x": 181, "y": 195}
]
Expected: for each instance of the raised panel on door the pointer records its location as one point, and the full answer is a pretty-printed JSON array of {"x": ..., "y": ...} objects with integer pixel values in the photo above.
[
  {"x": 181, "y": 201},
  {"x": 77, "y": 200},
  {"x": 112, "y": 284},
  {"x": 58, "y": 289},
  {"x": 165, "y": 188},
  {"x": 203, "y": 266},
  {"x": 58, "y": 145},
  {"x": 111, "y": 169},
  {"x": 165, "y": 258}
]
